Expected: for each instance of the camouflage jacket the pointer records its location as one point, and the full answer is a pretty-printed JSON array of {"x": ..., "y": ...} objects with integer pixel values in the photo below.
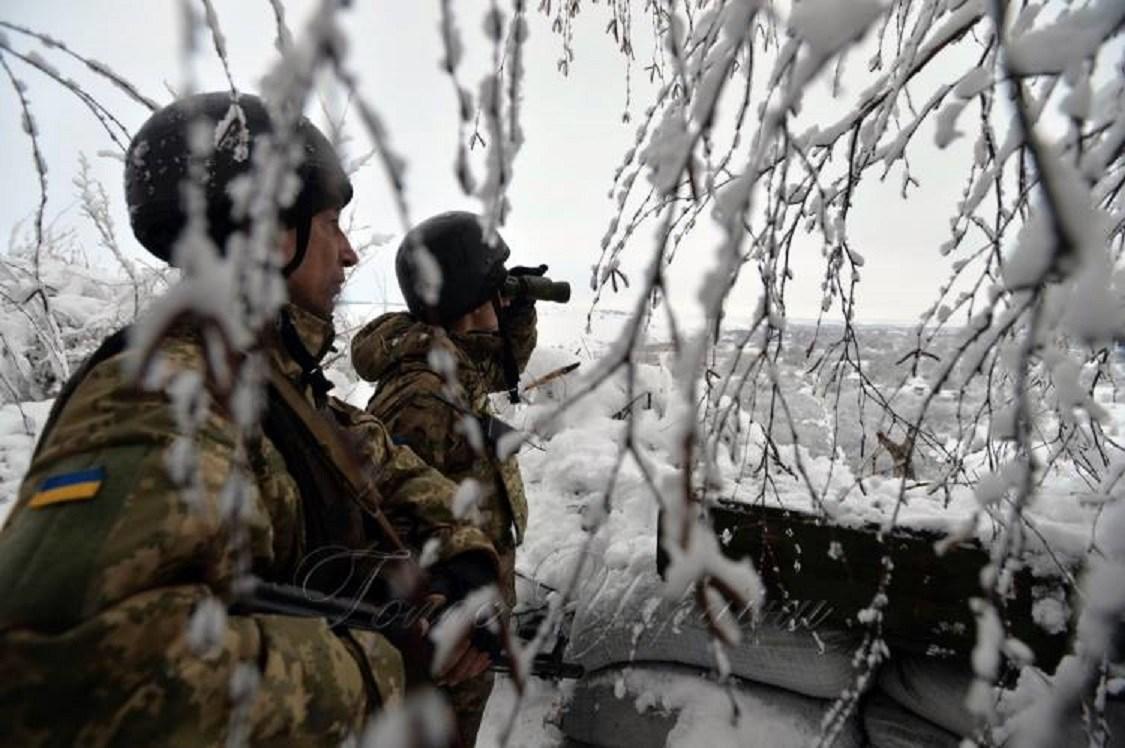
[
  {"x": 112, "y": 573},
  {"x": 413, "y": 400}
]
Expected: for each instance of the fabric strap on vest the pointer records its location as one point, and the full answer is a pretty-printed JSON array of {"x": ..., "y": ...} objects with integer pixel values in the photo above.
[
  {"x": 507, "y": 354},
  {"x": 339, "y": 457}
]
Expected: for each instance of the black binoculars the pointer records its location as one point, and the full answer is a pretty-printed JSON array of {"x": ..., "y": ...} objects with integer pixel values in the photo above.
[{"x": 535, "y": 287}]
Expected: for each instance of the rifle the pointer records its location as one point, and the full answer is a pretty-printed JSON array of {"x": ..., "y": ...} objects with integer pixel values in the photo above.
[
  {"x": 552, "y": 376},
  {"x": 391, "y": 620}
]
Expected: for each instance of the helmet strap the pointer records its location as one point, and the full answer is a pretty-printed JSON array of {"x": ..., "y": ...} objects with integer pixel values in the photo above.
[
  {"x": 304, "y": 231},
  {"x": 507, "y": 353},
  {"x": 312, "y": 375}
]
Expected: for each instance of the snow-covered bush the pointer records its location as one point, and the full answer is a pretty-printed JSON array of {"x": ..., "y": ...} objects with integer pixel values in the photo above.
[{"x": 55, "y": 308}]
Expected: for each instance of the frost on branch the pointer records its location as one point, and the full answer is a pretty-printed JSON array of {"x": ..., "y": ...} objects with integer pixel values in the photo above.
[
  {"x": 992, "y": 418},
  {"x": 1000, "y": 389}
]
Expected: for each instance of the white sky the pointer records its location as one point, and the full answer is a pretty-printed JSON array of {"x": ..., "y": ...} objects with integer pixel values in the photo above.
[{"x": 574, "y": 139}]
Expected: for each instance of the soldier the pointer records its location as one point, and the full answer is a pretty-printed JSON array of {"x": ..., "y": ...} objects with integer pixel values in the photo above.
[
  {"x": 436, "y": 366},
  {"x": 113, "y": 563}
]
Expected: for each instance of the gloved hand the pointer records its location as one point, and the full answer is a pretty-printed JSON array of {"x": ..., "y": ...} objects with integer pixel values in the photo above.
[
  {"x": 470, "y": 646},
  {"x": 521, "y": 301},
  {"x": 527, "y": 270},
  {"x": 456, "y": 577}
]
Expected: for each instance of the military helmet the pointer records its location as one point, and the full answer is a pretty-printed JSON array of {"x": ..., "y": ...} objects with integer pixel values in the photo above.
[
  {"x": 472, "y": 269},
  {"x": 158, "y": 159}
]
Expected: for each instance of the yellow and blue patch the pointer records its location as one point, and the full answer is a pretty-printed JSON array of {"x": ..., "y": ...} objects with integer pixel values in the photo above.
[{"x": 73, "y": 486}]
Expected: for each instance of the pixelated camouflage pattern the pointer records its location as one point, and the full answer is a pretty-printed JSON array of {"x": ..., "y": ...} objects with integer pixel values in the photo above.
[
  {"x": 96, "y": 596},
  {"x": 416, "y": 498},
  {"x": 414, "y": 403}
]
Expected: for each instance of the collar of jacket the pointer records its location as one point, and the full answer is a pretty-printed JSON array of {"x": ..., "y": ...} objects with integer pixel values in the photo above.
[
  {"x": 398, "y": 339},
  {"x": 315, "y": 335}
]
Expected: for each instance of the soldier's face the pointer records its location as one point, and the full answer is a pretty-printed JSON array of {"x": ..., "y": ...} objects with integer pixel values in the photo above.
[
  {"x": 318, "y": 280},
  {"x": 481, "y": 319}
]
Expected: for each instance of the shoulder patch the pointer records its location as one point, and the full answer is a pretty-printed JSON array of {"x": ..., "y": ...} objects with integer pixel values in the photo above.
[{"x": 74, "y": 486}]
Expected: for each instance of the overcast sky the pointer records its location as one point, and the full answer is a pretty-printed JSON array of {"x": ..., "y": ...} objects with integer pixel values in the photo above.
[{"x": 573, "y": 125}]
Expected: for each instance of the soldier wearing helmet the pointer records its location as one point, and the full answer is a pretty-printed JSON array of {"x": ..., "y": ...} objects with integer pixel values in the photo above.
[
  {"x": 115, "y": 579},
  {"x": 435, "y": 367}
]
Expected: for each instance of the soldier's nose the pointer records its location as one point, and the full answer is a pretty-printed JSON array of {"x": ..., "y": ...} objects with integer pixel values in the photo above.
[{"x": 348, "y": 257}]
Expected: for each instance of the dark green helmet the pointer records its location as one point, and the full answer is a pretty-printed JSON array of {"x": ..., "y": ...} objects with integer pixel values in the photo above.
[
  {"x": 156, "y": 169},
  {"x": 471, "y": 269}
]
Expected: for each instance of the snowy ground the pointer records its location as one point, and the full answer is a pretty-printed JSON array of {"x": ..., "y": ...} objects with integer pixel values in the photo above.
[{"x": 569, "y": 459}]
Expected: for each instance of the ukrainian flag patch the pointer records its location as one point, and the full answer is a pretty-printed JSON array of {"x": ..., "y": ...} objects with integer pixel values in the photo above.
[{"x": 74, "y": 486}]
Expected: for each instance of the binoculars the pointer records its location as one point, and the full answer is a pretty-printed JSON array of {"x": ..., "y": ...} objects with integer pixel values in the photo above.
[{"x": 535, "y": 287}]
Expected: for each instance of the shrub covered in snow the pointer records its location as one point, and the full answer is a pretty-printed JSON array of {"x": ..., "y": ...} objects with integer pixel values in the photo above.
[{"x": 55, "y": 308}]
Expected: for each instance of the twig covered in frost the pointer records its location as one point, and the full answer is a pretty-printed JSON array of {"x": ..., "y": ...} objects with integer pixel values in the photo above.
[
  {"x": 284, "y": 40},
  {"x": 113, "y": 127},
  {"x": 190, "y": 27},
  {"x": 783, "y": 182},
  {"x": 31, "y": 129},
  {"x": 95, "y": 205},
  {"x": 492, "y": 191},
  {"x": 219, "y": 40},
  {"x": 453, "y": 51},
  {"x": 394, "y": 166},
  {"x": 97, "y": 67}
]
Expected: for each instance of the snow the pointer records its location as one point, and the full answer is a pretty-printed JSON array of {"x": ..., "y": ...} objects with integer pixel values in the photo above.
[
  {"x": 667, "y": 428},
  {"x": 974, "y": 82},
  {"x": 667, "y": 151},
  {"x": 424, "y": 718},
  {"x": 947, "y": 130},
  {"x": 19, "y": 428},
  {"x": 1051, "y": 613},
  {"x": 1074, "y": 37},
  {"x": 827, "y": 25},
  {"x": 708, "y": 714},
  {"x": 536, "y": 724},
  {"x": 207, "y": 627},
  {"x": 466, "y": 498},
  {"x": 574, "y": 457},
  {"x": 569, "y": 459}
]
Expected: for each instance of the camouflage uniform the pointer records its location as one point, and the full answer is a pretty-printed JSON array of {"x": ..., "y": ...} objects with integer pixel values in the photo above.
[
  {"x": 97, "y": 636},
  {"x": 419, "y": 411}
]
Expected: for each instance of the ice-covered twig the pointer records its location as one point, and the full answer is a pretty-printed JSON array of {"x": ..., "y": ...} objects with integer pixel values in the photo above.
[
  {"x": 284, "y": 40},
  {"x": 220, "y": 42},
  {"x": 31, "y": 129},
  {"x": 454, "y": 50},
  {"x": 104, "y": 116},
  {"x": 95, "y": 205},
  {"x": 97, "y": 67}
]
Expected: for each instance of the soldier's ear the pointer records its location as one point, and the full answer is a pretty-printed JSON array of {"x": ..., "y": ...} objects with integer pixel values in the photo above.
[{"x": 286, "y": 245}]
